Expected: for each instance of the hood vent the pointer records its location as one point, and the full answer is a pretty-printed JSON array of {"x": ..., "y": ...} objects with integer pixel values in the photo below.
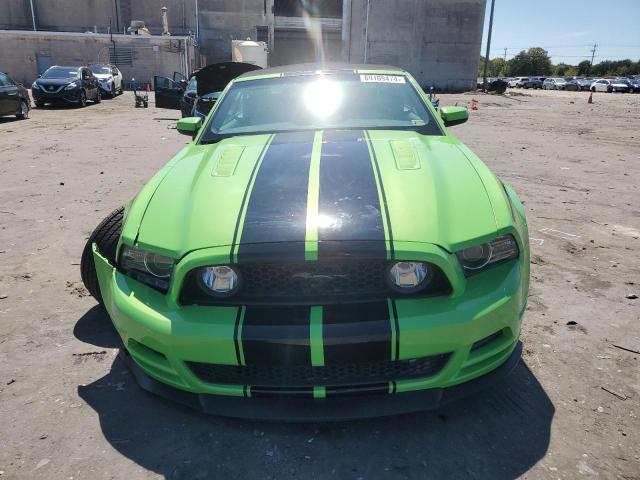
[
  {"x": 228, "y": 161},
  {"x": 405, "y": 155}
]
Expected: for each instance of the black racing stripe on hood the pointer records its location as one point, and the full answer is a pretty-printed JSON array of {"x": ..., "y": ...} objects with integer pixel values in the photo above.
[
  {"x": 277, "y": 336},
  {"x": 356, "y": 333},
  {"x": 277, "y": 208},
  {"x": 348, "y": 199}
]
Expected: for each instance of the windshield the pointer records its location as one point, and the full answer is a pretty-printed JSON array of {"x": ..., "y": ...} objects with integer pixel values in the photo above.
[
  {"x": 61, "y": 72},
  {"x": 313, "y": 102},
  {"x": 100, "y": 69}
]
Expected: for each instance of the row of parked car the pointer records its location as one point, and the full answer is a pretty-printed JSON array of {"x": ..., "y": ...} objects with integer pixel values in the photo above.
[
  {"x": 626, "y": 85},
  {"x": 74, "y": 85}
]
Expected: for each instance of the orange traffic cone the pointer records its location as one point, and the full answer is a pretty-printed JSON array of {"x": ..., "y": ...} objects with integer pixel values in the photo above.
[
  {"x": 590, "y": 98},
  {"x": 474, "y": 104}
]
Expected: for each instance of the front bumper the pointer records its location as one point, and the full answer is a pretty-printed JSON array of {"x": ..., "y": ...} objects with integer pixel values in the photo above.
[
  {"x": 163, "y": 338},
  {"x": 63, "y": 96},
  {"x": 323, "y": 409},
  {"x": 106, "y": 87}
]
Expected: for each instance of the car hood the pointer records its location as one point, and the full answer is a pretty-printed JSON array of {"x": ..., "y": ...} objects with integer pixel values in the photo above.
[
  {"x": 338, "y": 186},
  {"x": 56, "y": 81},
  {"x": 215, "y": 77}
]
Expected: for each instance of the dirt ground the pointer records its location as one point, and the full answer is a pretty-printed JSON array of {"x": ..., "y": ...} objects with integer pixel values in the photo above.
[{"x": 69, "y": 409}]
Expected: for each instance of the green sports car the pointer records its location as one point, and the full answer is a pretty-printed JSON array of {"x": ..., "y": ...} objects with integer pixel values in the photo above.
[{"x": 323, "y": 249}]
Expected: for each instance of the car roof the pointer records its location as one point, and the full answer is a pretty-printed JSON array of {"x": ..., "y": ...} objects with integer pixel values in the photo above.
[
  {"x": 67, "y": 66},
  {"x": 307, "y": 68}
]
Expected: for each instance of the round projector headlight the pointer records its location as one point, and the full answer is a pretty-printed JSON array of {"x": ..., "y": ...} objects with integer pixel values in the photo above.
[
  {"x": 220, "y": 281},
  {"x": 474, "y": 258},
  {"x": 409, "y": 277}
]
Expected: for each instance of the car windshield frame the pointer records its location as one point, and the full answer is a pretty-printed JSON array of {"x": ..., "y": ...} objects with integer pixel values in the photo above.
[
  {"x": 71, "y": 72},
  {"x": 429, "y": 124},
  {"x": 106, "y": 68}
]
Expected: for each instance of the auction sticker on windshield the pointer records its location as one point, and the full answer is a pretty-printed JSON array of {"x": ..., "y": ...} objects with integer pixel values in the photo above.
[{"x": 382, "y": 78}]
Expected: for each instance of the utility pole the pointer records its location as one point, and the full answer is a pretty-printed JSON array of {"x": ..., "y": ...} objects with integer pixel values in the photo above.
[
  {"x": 593, "y": 54},
  {"x": 505, "y": 54},
  {"x": 486, "y": 58},
  {"x": 33, "y": 16}
]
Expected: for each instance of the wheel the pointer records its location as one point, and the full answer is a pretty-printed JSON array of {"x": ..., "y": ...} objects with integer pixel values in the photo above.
[
  {"x": 24, "y": 111},
  {"x": 609, "y": 89},
  {"x": 105, "y": 236},
  {"x": 98, "y": 98},
  {"x": 593, "y": 89},
  {"x": 145, "y": 103},
  {"x": 82, "y": 99}
]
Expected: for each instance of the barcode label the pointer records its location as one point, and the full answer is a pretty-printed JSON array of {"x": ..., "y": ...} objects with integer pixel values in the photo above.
[{"x": 371, "y": 78}]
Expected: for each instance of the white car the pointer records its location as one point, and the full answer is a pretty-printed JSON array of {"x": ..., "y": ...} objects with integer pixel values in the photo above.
[
  {"x": 610, "y": 85},
  {"x": 517, "y": 82},
  {"x": 110, "y": 78}
]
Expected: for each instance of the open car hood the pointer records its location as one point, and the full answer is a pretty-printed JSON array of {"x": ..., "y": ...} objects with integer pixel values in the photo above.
[{"x": 215, "y": 77}]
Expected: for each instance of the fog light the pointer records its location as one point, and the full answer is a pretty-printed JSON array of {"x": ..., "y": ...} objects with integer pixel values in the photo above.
[
  {"x": 409, "y": 277},
  {"x": 220, "y": 281}
]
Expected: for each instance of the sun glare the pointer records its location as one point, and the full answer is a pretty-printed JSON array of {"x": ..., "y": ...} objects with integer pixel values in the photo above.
[{"x": 323, "y": 97}]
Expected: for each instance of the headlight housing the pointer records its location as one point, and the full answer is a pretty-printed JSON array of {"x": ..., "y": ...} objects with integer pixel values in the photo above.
[
  {"x": 71, "y": 86},
  {"x": 220, "y": 281},
  {"x": 147, "y": 267},
  {"x": 35, "y": 86},
  {"x": 409, "y": 277},
  {"x": 478, "y": 257}
]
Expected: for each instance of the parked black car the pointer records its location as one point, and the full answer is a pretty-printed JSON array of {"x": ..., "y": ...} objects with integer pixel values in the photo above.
[
  {"x": 189, "y": 97},
  {"x": 71, "y": 85},
  {"x": 209, "y": 82},
  {"x": 14, "y": 98}
]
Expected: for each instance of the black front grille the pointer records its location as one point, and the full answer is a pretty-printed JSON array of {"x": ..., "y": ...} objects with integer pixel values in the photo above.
[
  {"x": 360, "y": 373},
  {"x": 308, "y": 283}
]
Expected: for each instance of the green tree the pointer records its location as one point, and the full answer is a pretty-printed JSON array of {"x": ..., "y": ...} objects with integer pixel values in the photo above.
[
  {"x": 584, "y": 67},
  {"x": 539, "y": 61},
  {"x": 498, "y": 67}
]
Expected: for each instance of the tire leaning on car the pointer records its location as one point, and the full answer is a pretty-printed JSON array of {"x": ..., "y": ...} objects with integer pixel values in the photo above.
[
  {"x": 105, "y": 236},
  {"x": 82, "y": 99}
]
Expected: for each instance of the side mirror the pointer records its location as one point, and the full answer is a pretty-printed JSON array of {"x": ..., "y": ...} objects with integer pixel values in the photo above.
[
  {"x": 454, "y": 115},
  {"x": 189, "y": 126}
]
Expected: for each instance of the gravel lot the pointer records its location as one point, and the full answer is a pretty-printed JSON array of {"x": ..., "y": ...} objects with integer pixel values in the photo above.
[{"x": 70, "y": 409}]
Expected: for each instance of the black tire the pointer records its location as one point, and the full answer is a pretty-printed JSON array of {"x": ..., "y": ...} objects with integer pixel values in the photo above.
[
  {"x": 593, "y": 89},
  {"x": 106, "y": 236},
  {"x": 609, "y": 89},
  {"x": 98, "y": 97},
  {"x": 24, "y": 110},
  {"x": 82, "y": 99},
  {"x": 114, "y": 92}
]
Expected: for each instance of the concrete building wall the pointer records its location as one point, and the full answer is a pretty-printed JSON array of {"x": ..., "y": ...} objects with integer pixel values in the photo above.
[
  {"x": 15, "y": 14},
  {"x": 437, "y": 41},
  {"x": 151, "y": 55}
]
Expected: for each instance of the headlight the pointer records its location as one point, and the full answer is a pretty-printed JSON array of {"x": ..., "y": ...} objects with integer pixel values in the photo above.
[
  {"x": 220, "y": 281},
  {"x": 409, "y": 277},
  {"x": 35, "y": 86},
  {"x": 147, "y": 267},
  {"x": 71, "y": 86},
  {"x": 477, "y": 257}
]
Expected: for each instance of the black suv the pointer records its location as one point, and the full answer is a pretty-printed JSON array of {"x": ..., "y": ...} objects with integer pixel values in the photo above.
[
  {"x": 74, "y": 85},
  {"x": 14, "y": 98}
]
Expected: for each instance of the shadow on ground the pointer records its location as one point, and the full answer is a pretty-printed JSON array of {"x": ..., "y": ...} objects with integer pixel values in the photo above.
[{"x": 499, "y": 434}]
